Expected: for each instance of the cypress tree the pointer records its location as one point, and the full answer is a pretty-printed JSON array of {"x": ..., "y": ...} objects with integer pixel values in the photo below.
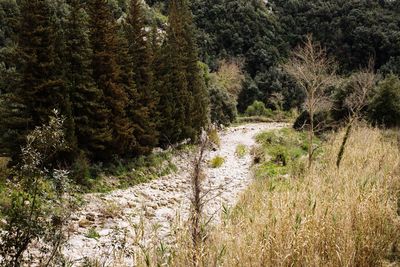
[
  {"x": 89, "y": 113},
  {"x": 174, "y": 96},
  {"x": 198, "y": 114},
  {"x": 143, "y": 108},
  {"x": 9, "y": 14},
  {"x": 184, "y": 104},
  {"x": 129, "y": 87},
  {"x": 106, "y": 73}
]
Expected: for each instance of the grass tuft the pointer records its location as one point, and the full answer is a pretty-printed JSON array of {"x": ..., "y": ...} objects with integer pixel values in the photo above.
[
  {"x": 92, "y": 233},
  {"x": 241, "y": 151},
  {"x": 217, "y": 162}
]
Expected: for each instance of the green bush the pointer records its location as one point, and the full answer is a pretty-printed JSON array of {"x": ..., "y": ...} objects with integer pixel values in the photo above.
[
  {"x": 258, "y": 109},
  {"x": 92, "y": 233},
  {"x": 217, "y": 162},
  {"x": 241, "y": 150},
  {"x": 223, "y": 107},
  {"x": 384, "y": 108},
  {"x": 39, "y": 199},
  {"x": 322, "y": 118}
]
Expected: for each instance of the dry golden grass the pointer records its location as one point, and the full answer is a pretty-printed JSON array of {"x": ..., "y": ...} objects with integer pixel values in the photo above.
[{"x": 329, "y": 217}]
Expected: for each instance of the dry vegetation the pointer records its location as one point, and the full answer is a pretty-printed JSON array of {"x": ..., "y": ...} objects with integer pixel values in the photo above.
[{"x": 315, "y": 217}]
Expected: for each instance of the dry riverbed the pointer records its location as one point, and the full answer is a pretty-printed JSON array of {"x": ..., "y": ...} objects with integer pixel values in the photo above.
[{"x": 108, "y": 226}]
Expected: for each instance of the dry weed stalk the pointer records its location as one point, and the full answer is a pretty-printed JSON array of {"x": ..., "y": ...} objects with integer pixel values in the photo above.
[{"x": 197, "y": 200}]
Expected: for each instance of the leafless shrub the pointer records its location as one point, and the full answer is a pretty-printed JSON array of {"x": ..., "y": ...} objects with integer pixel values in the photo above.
[
  {"x": 314, "y": 71},
  {"x": 230, "y": 76},
  {"x": 361, "y": 83}
]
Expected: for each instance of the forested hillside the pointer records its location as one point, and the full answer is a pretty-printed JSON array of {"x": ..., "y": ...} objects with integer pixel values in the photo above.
[
  {"x": 121, "y": 87},
  {"x": 123, "y": 62},
  {"x": 97, "y": 95}
]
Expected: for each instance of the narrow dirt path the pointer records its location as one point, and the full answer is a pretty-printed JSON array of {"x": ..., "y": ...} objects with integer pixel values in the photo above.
[{"x": 108, "y": 224}]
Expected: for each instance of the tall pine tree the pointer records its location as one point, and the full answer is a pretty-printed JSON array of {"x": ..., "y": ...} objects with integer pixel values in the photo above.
[
  {"x": 143, "y": 108},
  {"x": 198, "y": 115},
  {"x": 183, "y": 95},
  {"x": 42, "y": 87},
  {"x": 89, "y": 112},
  {"x": 106, "y": 73},
  {"x": 12, "y": 119}
]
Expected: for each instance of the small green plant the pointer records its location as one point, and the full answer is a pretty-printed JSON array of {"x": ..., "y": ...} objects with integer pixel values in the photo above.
[
  {"x": 217, "y": 162},
  {"x": 92, "y": 233},
  {"x": 111, "y": 210},
  {"x": 81, "y": 170},
  {"x": 241, "y": 151},
  {"x": 258, "y": 109}
]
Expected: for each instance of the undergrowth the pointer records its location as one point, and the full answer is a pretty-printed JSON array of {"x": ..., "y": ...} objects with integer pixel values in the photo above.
[
  {"x": 281, "y": 152},
  {"x": 124, "y": 173}
]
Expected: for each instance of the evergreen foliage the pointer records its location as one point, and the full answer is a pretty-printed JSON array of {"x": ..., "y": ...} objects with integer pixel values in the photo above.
[
  {"x": 183, "y": 95},
  {"x": 352, "y": 30},
  {"x": 90, "y": 115},
  {"x": 143, "y": 106},
  {"x": 222, "y": 107},
  {"x": 42, "y": 87},
  {"x": 385, "y": 105},
  {"x": 106, "y": 73}
]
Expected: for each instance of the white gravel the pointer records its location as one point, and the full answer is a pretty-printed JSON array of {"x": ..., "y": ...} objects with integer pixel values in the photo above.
[{"x": 119, "y": 217}]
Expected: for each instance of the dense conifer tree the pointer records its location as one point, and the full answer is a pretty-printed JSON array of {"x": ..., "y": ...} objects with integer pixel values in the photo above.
[
  {"x": 11, "y": 119},
  {"x": 106, "y": 73},
  {"x": 9, "y": 15},
  {"x": 143, "y": 108},
  {"x": 198, "y": 114},
  {"x": 183, "y": 94},
  {"x": 89, "y": 112},
  {"x": 42, "y": 88}
]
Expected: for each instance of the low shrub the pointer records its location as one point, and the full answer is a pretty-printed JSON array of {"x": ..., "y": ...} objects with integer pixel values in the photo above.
[
  {"x": 384, "y": 108},
  {"x": 223, "y": 107},
  {"x": 241, "y": 151},
  {"x": 217, "y": 162},
  {"x": 258, "y": 109},
  {"x": 92, "y": 233}
]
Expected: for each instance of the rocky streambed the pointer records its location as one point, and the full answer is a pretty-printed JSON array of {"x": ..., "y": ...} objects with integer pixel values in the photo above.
[{"x": 109, "y": 225}]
